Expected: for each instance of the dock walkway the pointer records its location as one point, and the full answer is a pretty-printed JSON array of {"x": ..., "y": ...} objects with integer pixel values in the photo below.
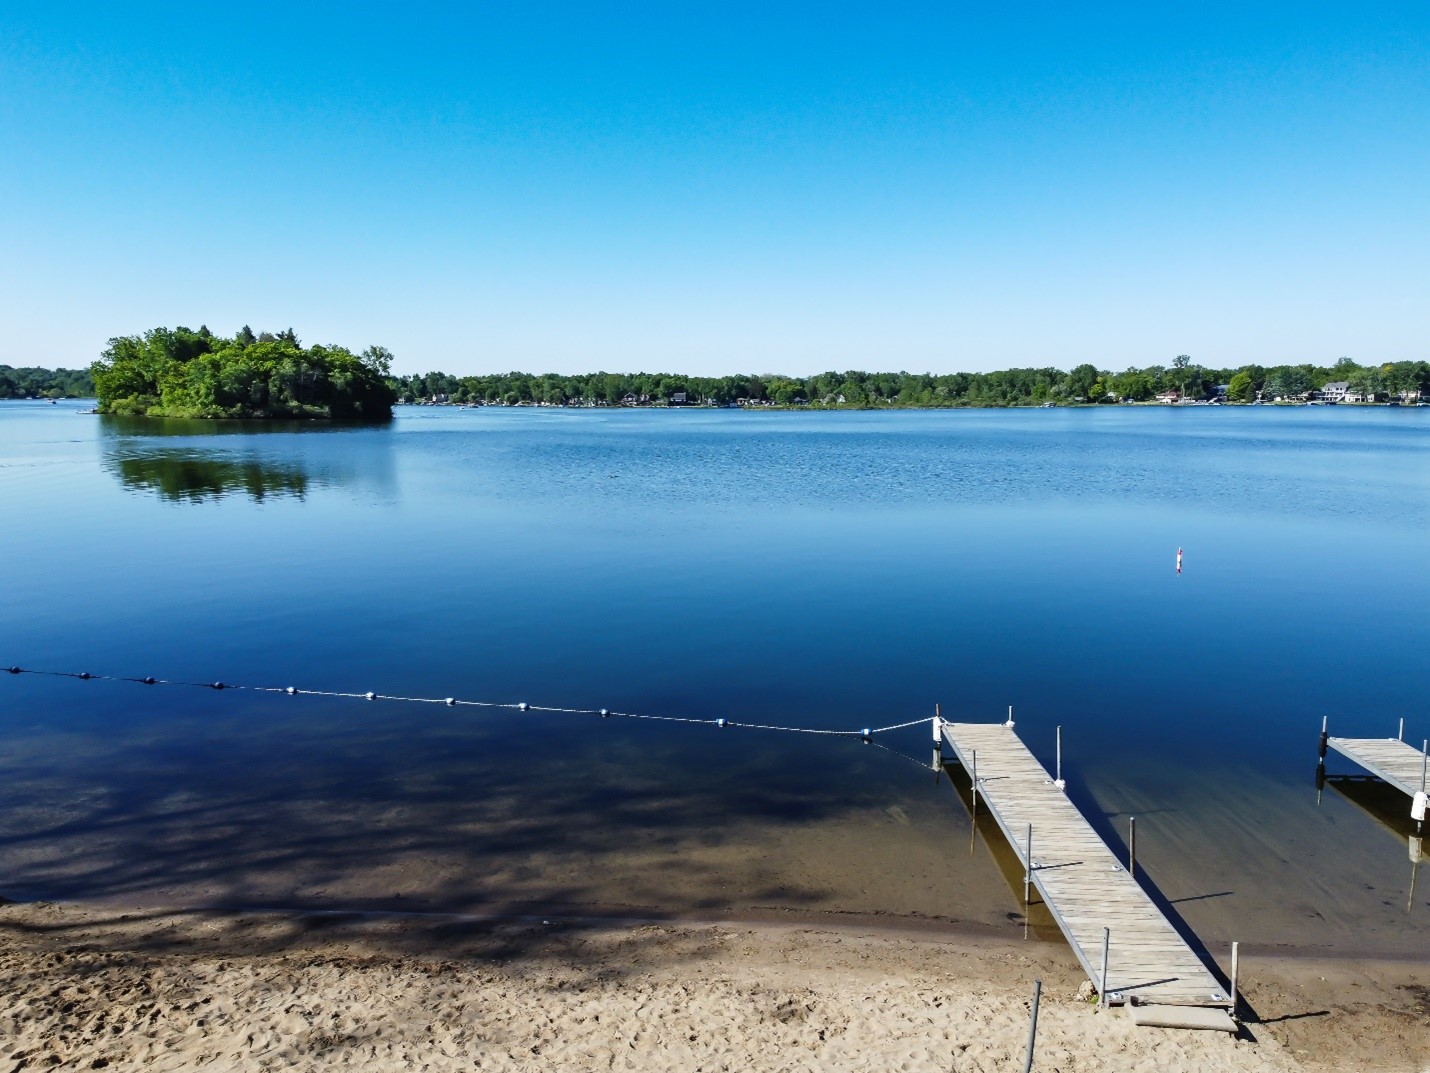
[
  {"x": 1082, "y": 883},
  {"x": 1395, "y": 761}
]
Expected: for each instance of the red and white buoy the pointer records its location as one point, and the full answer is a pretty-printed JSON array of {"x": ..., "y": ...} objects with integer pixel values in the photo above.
[{"x": 1179, "y": 561}]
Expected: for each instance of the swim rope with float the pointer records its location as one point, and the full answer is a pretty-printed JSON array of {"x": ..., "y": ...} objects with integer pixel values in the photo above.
[{"x": 865, "y": 733}]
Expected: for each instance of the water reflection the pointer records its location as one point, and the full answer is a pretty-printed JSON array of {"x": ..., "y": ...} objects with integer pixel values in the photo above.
[
  {"x": 189, "y": 461},
  {"x": 182, "y": 477},
  {"x": 150, "y": 427},
  {"x": 1390, "y": 807}
]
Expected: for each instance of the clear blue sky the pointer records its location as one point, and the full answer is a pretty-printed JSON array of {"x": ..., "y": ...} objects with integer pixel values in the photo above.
[{"x": 721, "y": 188}]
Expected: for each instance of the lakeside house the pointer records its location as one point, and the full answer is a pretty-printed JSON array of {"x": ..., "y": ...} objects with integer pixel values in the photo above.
[
  {"x": 1170, "y": 398},
  {"x": 1336, "y": 391}
]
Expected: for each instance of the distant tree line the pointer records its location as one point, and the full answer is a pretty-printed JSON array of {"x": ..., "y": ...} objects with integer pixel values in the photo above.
[
  {"x": 45, "y": 383},
  {"x": 861, "y": 390},
  {"x": 187, "y": 373},
  {"x": 182, "y": 373}
]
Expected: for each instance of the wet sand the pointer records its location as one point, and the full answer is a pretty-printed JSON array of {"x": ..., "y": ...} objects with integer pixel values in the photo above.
[{"x": 87, "y": 987}]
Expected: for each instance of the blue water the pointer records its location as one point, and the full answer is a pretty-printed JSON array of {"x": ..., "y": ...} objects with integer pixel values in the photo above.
[{"x": 820, "y": 570}]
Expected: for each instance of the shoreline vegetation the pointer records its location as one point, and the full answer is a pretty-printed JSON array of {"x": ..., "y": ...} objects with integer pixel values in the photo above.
[
  {"x": 1181, "y": 381},
  {"x": 183, "y": 373},
  {"x": 196, "y": 374}
]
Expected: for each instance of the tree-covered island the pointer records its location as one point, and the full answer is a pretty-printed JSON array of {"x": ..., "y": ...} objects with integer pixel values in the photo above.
[{"x": 176, "y": 372}]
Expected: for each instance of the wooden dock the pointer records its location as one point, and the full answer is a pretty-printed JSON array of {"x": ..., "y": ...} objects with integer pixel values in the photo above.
[
  {"x": 1391, "y": 759},
  {"x": 1084, "y": 885}
]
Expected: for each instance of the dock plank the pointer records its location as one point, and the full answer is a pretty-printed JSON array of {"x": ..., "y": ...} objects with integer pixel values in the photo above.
[{"x": 1080, "y": 880}]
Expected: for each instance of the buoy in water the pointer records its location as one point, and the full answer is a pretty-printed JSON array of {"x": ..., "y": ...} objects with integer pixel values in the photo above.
[{"x": 1179, "y": 561}]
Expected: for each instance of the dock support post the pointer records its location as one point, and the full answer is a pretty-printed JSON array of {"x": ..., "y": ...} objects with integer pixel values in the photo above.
[
  {"x": 973, "y": 813},
  {"x": 975, "y": 784},
  {"x": 1058, "y": 782},
  {"x": 1324, "y": 738},
  {"x": 1009, "y": 723},
  {"x": 1418, "y": 804},
  {"x": 1416, "y": 846},
  {"x": 1234, "y": 966},
  {"x": 1033, "y": 1026},
  {"x": 1102, "y": 983},
  {"x": 1132, "y": 846},
  {"x": 1028, "y": 872},
  {"x": 1401, "y": 736}
]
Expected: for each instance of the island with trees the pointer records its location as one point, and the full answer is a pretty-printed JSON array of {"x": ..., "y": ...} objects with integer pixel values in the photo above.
[{"x": 176, "y": 372}]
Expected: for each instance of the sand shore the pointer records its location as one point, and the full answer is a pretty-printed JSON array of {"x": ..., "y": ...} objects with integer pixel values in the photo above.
[{"x": 92, "y": 988}]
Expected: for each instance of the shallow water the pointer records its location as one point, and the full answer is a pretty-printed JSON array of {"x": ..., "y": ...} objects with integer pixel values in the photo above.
[{"x": 822, "y": 570}]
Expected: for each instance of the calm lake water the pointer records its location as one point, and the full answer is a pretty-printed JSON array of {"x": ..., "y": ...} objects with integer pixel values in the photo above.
[{"x": 820, "y": 570}]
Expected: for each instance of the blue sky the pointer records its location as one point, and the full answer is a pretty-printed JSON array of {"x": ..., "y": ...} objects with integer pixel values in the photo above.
[{"x": 721, "y": 188}]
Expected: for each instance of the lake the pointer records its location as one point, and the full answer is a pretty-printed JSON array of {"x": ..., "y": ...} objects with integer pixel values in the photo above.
[{"x": 839, "y": 570}]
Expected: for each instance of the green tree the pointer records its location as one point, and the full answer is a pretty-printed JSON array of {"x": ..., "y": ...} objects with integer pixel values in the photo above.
[
  {"x": 1239, "y": 388},
  {"x": 179, "y": 373}
]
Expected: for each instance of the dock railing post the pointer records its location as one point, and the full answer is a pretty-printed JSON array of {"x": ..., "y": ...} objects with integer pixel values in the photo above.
[
  {"x": 1058, "y": 782},
  {"x": 1102, "y": 983},
  {"x": 1401, "y": 735},
  {"x": 1028, "y": 872},
  {"x": 1234, "y": 967},
  {"x": 1132, "y": 846},
  {"x": 1033, "y": 1026},
  {"x": 1321, "y": 763},
  {"x": 1009, "y": 723}
]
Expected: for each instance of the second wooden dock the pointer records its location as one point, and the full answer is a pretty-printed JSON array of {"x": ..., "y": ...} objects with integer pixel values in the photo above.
[
  {"x": 1083, "y": 884},
  {"x": 1395, "y": 761}
]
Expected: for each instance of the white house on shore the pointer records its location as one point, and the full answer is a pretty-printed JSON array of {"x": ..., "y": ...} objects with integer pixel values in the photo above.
[{"x": 1336, "y": 391}]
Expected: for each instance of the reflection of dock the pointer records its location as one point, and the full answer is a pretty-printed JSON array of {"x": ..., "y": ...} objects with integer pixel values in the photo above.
[
  {"x": 1393, "y": 760},
  {"x": 1085, "y": 887},
  {"x": 1396, "y": 764}
]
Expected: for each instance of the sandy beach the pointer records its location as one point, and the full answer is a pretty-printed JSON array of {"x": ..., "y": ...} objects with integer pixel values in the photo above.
[{"x": 103, "y": 988}]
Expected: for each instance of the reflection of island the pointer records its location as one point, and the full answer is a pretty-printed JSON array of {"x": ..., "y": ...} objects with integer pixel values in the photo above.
[
  {"x": 184, "y": 477},
  {"x": 184, "y": 461}
]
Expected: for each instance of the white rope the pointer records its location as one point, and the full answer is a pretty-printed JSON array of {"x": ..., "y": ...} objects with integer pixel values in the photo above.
[
  {"x": 294, "y": 691},
  {"x": 901, "y": 726}
]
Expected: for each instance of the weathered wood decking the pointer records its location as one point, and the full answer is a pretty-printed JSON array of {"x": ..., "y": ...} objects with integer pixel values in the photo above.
[
  {"x": 1084, "y": 886},
  {"x": 1395, "y": 761}
]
